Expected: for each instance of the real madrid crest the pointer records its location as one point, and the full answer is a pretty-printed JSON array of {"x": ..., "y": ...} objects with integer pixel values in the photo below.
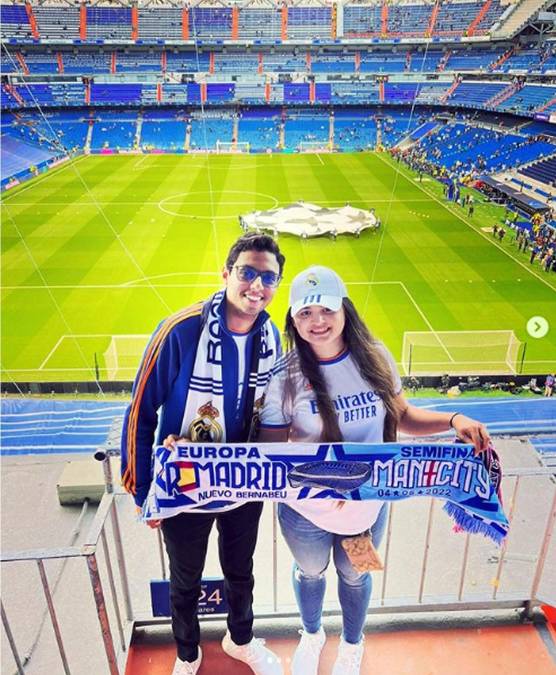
[
  {"x": 205, "y": 427},
  {"x": 311, "y": 279}
]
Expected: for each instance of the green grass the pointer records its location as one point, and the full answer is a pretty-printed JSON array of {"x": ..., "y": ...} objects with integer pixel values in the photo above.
[{"x": 110, "y": 245}]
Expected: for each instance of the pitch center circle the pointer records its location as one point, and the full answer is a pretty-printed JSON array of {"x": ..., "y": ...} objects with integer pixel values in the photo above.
[{"x": 234, "y": 202}]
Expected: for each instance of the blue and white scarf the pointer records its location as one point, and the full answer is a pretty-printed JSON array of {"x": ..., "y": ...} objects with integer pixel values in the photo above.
[
  {"x": 204, "y": 419},
  {"x": 188, "y": 476}
]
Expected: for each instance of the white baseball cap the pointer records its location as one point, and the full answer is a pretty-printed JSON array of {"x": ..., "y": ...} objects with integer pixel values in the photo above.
[{"x": 317, "y": 285}]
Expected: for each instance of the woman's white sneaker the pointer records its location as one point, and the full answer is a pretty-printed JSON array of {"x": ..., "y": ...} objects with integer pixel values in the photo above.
[
  {"x": 348, "y": 661},
  {"x": 260, "y": 659},
  {"x": 307, "y": 654}
]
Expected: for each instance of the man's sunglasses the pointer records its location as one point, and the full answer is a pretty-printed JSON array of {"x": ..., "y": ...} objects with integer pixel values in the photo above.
[{"x": 249, "y": 274}]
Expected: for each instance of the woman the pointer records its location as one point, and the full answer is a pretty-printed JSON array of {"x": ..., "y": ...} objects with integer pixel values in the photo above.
[{"x": 337, "y": 383}]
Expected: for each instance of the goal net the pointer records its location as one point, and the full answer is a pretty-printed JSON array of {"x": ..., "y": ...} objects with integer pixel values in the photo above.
[
  {"x": 315, "y": 146},
  {"x": 225, "y": 147},
  {"x": 122, "y": 357},
  {"x": 490, "y": 352}
]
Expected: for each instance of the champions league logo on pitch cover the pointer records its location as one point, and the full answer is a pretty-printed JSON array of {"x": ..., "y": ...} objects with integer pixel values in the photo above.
[{"x": 194, "y": 475}]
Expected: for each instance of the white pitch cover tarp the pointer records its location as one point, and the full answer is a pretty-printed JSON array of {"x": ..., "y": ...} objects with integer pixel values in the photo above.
[{"x": 310, "y": 220}]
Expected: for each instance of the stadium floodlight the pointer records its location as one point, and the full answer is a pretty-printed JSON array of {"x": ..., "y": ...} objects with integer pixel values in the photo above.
[
  {"x": 310, "y": 220},
  {"x": 123, "y": 355},
  {"x": 234, "y": 147},
  {"x": 466, "y": 352}
]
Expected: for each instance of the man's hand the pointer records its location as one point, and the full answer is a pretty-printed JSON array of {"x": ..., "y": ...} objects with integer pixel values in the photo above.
[
  {"x": 169, "y": 442},
  {"x": 471, "y": 431},
  {"x": 173, "y": 439},
  {"x": 153, "y": 524}
]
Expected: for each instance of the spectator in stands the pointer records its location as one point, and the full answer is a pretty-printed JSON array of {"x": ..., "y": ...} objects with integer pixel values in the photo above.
[
  {"x": 333, "y": 356},
  {"x": 230, "y": 322}
]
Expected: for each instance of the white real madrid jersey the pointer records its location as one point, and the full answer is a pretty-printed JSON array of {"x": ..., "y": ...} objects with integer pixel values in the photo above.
[{"x": 361, "y": 414}]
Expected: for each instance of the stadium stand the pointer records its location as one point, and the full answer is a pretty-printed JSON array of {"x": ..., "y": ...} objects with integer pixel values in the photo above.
[
  {"x": 137, "y": 62},
  {"x": 395, "y": 125},
  {"x": 260, "y": 128},
  {"x": 408, "y": 20},
  {"x": 207, "y": 129},
  {"x": 157, "y": 22},
  {"x": 354, "y": 130},
  {"x": 209, "y": 22},
  {"x": 529, "y": 98},
  {"x": 15, "y": 21},
  {"x": 465, "y": 148},
  {"x": 58, "y": 22},
  {"x": 362, "y": 21},
  {"x": 543, "y": 171},
  {"x": 385, "y": 62},
  {"x": 255, "y": 24},
  {"x": 306, "y": 126},
  {"x": 163, "y": 130},
  {"x": 468, "y": 60},
  {"x": 18, "y": 156},
  {"x": 474, "y": 94},
  {"x": 108, "y": 23},
  {"x": 314, "y": 21},
  {"x": 114, "y": 131},
  {"x": 86, "y": 63}
]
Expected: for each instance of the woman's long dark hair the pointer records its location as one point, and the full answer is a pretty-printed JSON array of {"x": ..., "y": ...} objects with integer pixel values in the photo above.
[{"x": 367, "y": 353}]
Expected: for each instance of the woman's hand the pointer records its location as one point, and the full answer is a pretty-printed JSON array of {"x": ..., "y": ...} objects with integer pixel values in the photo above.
[{"x": 471, "y": 431}]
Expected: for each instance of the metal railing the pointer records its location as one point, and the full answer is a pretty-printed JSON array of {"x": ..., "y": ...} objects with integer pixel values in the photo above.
[{"x": 116, "y": 641}]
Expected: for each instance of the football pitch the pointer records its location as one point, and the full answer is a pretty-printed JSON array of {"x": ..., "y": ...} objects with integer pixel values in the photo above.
[{"x": 98, "y": 251}]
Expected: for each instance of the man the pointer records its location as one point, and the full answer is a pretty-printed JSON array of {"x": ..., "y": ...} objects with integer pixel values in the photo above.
[{"x": 206, "y": 368}]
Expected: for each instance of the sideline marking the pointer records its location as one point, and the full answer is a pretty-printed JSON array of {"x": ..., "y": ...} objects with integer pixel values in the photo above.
[
  {"x": 60, "y": 339},
  {"x": 402, "y": 284},
  {"x": 409, "y": 179},
  {"x": 48, "y": 174}
]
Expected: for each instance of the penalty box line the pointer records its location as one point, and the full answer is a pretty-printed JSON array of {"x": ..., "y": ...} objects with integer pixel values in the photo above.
[
  {"x": 71, "y": 337},
  {"x": 348, "y": 283}
]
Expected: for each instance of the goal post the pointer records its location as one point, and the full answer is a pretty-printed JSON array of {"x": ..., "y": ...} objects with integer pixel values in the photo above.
[
  {"x": 232, "y": 147},
  {"x": 315, "y": 146},
  {"x": 489, "y": 352},
  {"x": 123, "y": 355}
]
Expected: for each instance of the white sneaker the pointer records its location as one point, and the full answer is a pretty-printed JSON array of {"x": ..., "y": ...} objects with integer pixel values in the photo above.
[
  {"x": 307, "y": 654},
  {"x": 348, "y": 661},
  {"x": 188, "y": 667},
  {"x": 260, "y": 659}
]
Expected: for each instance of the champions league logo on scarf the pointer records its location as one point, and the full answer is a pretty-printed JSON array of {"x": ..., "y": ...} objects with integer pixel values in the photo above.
[{"x": 191, "y": 476}]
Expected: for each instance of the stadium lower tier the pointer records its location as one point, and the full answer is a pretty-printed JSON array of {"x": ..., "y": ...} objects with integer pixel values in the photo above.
[{"x": 456, "y": 143}]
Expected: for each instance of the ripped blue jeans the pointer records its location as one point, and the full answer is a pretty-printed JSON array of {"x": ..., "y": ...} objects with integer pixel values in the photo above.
[{"x": 311, "y": 547}]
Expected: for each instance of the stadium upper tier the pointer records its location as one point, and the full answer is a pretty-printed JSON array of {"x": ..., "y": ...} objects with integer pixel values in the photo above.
[
  {"x": 274, "y": 22},
  {"x": 525, "y": 99},
  {"x": 320, "y": 62}
]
